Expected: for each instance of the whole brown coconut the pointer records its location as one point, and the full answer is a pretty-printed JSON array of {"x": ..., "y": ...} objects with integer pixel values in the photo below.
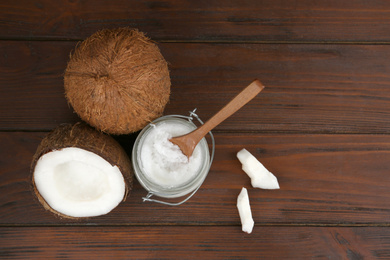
[
  {"x": 117, "y": 81},
  {"x": 82, "y": 136}
]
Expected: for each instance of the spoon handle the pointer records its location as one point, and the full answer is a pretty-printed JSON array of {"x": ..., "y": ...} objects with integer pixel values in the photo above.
[{"x": 229, "y": 109}]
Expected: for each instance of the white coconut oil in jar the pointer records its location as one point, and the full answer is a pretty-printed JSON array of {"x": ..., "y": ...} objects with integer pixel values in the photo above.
[{"x": 160, "y": 166}]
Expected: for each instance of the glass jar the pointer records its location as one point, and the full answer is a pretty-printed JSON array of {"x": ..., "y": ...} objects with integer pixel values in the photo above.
[{"x": 190, "y": 186}]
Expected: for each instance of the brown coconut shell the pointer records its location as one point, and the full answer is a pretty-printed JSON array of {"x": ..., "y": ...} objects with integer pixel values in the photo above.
[
  {"x": 117, "y": 81},
  {"x": 83, "y": 136}
]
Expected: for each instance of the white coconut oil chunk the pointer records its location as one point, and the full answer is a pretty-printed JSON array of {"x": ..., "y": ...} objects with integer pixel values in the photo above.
[
  {"x": 260, "y": 176},
  {"x": 244, "y": 210},
  {"x": 163, "y": 162},
  {"x": 79, "y": 183}
]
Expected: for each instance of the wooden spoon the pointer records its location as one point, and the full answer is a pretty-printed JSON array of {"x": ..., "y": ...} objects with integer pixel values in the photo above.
[{"x": 188, "y": 142}]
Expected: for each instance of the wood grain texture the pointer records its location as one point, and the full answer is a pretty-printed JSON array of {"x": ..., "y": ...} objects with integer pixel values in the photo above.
[
  {"x": 309, "y": 88},
  {"x": 321, "y": 125},
  {"x": 203, "y": 242},
  {"x": 324, "y": 179},
  {"x": 172, "y": 20}
]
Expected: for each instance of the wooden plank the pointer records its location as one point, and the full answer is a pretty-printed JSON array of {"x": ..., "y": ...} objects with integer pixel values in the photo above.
[
  {"x": 309, "y": 88},
  {"x": 172, "y": 20},
  {"x": 324, "y": 179},
  {"x": 206, "y": 242},
  {"x": 31, "y": 83}
]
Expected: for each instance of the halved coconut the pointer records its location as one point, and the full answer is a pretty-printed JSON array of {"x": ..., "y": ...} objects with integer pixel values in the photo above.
[{"x": 80, "y": 172}]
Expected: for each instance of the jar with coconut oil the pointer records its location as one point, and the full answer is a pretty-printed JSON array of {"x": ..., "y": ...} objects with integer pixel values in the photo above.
[{"x": 161, "y": 167}]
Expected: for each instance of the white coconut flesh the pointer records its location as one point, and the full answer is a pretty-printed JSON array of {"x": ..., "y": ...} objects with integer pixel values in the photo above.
[
  {"x": 260, "y": 176},
  {"x": 244, "y": 210},
  {"x": 78, "y": 183}
]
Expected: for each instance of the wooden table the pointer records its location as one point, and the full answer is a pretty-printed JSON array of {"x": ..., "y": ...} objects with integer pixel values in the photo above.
[{"x": 322, "y": 126}]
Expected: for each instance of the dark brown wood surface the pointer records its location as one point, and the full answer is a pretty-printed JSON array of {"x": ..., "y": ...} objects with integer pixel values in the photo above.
[
  {"x": 321, "y": 125},
  {"x": 219, "y": 20},
  {"x": 195, "y": 242}
]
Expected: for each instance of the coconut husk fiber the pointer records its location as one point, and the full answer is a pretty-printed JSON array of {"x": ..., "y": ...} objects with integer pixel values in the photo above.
[
  {"x": 117, "y": 81},
  {"x": 83, "y": 136}
]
